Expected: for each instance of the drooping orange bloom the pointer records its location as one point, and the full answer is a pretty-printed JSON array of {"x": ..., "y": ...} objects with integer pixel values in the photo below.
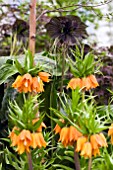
[
  {"x": 86, "y": 82},
  {"x": 13, "y": 136},
  {"x": 101, "y": 140},
  {"x": 97, "y": 140},
  {"x": 86, "y": 150},
  {"x": 89, "y": 82},
  {"x": 23, "y": 83},
  {"x": 23, "y": 141},
  {"x": 80, "y": 142},
  {"x": 37, "y": 85},
  {"x": 17, "y": 82},
  {"x": 26, "y": 139},
  {"x": 68, "y": 135},
  {"x": 90, "y": 147},
  {"x": 64, "y": 136},
  {"x": 94, "y": 142},
  {"x": 74, "y": 83},
  {"x": 44, "y": 76},
  {"x": 57, "y": 128},
  {"x": 110, "y": 133},
  {"x": 41, "y": 125},
  {"x": 74, "y": 134},
  {"x": 38, "y": 140}
]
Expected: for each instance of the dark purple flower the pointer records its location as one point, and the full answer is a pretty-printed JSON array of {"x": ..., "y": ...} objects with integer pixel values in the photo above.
[{"x": 68, "y": 29}]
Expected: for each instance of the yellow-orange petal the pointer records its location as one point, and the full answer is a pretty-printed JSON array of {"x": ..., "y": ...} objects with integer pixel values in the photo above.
[
  {"x": 94, "y": 142},
  {"x": 96, "y": 152},
  {"x": 17, "y": 81},
  {"x": 44, "y": 76},
  {"x": 37, "y": 85},
  {"x": 110, "y": 132},
  {"x": 86, "y": 150},
  {"x": 74, "y": 83},
  {"x": 64, "y": 136},
  {"x": 23, "y": 83},
  {"x": 26, "y": 82},
  {"x": 25, "y": 134},
  {"x": 101, "y": 140},
  {"x": 74, "y": 134},
  {"x": 57, "y": 129},
  {"x": 80, "y": 142},
  {"x": 21, "y": 148},
  {"x": 86, "y": 83},
  {"x": 112, "y": 139},
  {"x": 93, "y": 81},
  {"x": 38, "y": 140}
]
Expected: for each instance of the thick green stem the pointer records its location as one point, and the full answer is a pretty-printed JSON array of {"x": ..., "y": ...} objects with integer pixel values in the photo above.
[
  {"x": 29, "y": 161},
  {"x": 76, "y": 161},
  {"x": 90, "y": 163},
  {"x": 63, "y": 70}
]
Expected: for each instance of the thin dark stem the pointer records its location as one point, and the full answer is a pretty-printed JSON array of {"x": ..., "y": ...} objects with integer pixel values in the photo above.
[
  {"x": 90, "y": 163},
  {"x": 62, "y": 9},
  {"x": 63, "y": 69},
  {"x": 76, "y": 161},
  {"x": 29, "y": 161}
]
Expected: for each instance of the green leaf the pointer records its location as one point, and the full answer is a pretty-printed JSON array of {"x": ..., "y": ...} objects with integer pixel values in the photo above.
[
  {"x": 19, "y": 67},
  {"x": 62, "y": 167},
  {"x": 6, "y": 71}
]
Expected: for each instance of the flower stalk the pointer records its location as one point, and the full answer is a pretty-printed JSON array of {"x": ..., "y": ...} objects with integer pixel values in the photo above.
[
  {"x": 76, "y": 161},
  {"x": 29, "y": 161},
  {"x": 90, "y": 163}
]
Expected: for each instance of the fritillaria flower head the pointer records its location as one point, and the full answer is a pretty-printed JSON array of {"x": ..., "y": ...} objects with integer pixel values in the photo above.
[{"x": 67, "y": 29}]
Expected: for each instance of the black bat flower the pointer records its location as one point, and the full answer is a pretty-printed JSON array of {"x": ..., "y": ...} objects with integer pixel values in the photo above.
[{"x": 68, "y": 29}]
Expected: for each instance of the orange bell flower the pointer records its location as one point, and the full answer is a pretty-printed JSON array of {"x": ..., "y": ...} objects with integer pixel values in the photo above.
[
  {"x": 17, "y": 82},
  {"x": 93, "y": 81},
  {"x": 86, "y": 150},
  {"x": 24, "y": 141},
  {"x": 14, "y": 137},
  {"x": 80, "y": 142},
  {"x": 101, "y": 140},
  {"x": 64, "y": 136},
  {"x": 89, "y": 82},
  {"x": 23, "y": 83},
  {"x": 57, "y": 129},
  {"x": 74, "y": 134},
  {"x": 44, "y": 76},
  {"x": 94, "y": 142},
  {"x": 74, "y": 83},
  {"x": 86, "y": 82},
  {"x": 37, "y": 85},
  {"x": 38, "y": 140}
]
